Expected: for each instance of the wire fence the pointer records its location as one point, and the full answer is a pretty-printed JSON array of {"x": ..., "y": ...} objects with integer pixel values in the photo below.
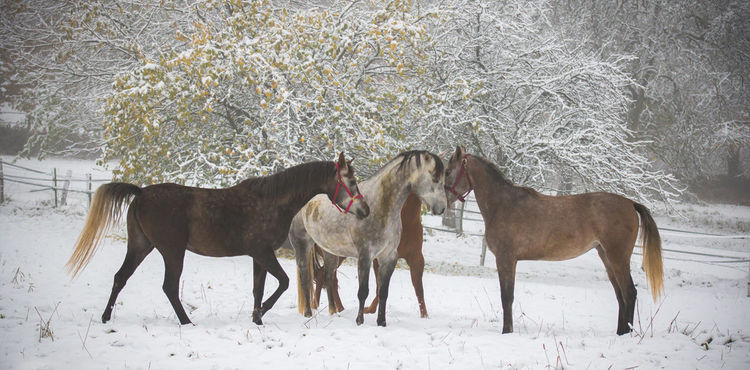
[{"x": 46, "y": 181}]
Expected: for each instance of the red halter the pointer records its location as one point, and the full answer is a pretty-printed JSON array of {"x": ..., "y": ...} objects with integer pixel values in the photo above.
[
  {"x": 452, "y": 189},
  {"x": 351, "y": 196}
]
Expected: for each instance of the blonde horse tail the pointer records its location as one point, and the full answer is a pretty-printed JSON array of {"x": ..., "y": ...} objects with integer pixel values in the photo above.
[
  {"x": 105, "y": 212},
  {"x": 652, "y": 260},
  {"x": 301, "y": 303}
]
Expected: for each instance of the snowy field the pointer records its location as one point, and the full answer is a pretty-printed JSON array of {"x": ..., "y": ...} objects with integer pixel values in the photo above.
[{"x": 564, "y": 312}]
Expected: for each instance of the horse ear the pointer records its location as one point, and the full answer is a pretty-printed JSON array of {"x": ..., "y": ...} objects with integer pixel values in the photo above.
[
  {"x": 342, "y": 160},
  {"x": 443, "y": 154},
  {"x": 459, "y": 152}
]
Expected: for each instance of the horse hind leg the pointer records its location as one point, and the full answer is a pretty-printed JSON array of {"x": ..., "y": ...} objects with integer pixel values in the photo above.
[
  {"x": 330, "y": 266},
  {"x": 618, "y": 272},
  {"x": 416, "y": 269},
  {"x": 138, "y": 248}
]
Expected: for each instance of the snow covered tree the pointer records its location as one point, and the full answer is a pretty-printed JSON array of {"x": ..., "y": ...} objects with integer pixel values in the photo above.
[
  {"x": 61, "y": 57},
  {"x": 505, "y": 83},
  {"x": 259, "y": 87},
  {"x": 690, "y": 90}
]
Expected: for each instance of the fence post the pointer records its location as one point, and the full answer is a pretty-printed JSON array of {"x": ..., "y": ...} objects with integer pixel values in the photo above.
[
  {"x": 2, "y": 184},
  {"x": 54, "y": 184},
  {"x": 66, "y": 185},
  {"x": 484, "y": 251},
  {"x": 460, "y": 219},
  {"x": 88, "y": 186}
]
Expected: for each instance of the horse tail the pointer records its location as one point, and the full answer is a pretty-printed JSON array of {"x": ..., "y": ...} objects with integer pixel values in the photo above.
[
  {"x": 105, "y": 212},
  {"x": 301, "y": 303},
  {"x": 652, "y": 261}
]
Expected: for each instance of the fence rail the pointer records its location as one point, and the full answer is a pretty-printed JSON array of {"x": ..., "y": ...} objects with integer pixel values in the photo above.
[{"x": 51, "y": 183}]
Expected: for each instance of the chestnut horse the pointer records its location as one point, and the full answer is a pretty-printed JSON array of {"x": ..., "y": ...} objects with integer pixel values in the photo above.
[
  {"x": 409, "y": 248},
  {"x": 251, "y": 218},
  {"x": 522, "y": 224}
]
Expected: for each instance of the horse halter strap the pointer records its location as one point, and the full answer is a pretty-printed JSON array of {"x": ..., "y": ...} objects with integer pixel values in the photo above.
[
  {"x": 339, "y": 185},
  {"x": 462, "y": 171}
]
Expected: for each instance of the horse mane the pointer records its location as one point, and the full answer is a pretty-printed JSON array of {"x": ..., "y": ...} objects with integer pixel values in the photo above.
[
  {"x": 498, "y": 176},
  {"x": 408, "y": 155},
  {"x": 291, "y": 181}
]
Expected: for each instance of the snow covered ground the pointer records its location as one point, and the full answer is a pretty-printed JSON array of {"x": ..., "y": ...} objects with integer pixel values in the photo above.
[{"x": 565, "y": 312}]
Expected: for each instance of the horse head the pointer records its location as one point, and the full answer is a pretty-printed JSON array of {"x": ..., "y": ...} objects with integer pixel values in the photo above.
[
  {"x": 346, "y": 197},
  {"x": 457, "y": 182},
  {"x": 429, "y": 181}
]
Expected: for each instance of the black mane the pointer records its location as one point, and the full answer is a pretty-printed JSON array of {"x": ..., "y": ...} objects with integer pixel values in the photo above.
[{"x": 293, "y": 180}]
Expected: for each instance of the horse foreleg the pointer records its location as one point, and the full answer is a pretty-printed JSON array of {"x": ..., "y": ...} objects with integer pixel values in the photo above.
[
  {"x": 271, "y": 264},
  {"x": 374, "y": 305},
  {"x": 363, "y": 274},
  {"x": 416, "y": 269},
  {"x": 172, "y": 271},
  {"x": 506, "y": 271},
  {"x": 384, "y": 279},
  {"x": 259, "y": 284}
]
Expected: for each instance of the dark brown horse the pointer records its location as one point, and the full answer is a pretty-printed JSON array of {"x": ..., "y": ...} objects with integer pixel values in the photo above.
[
  {"x": 409, "y": 248},
  {"x": 251, "y": 218},
  {"x": 522, "y": 224}
]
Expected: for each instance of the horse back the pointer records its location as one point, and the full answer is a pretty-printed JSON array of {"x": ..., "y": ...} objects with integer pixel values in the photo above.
[{"x": 542, "y": 227}]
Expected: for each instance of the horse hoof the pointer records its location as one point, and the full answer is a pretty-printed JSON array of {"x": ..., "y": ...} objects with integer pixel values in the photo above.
[
  {"x": 258, "y": 321},
  {"x": 186, "y": 322},
  {"x": 381, "y": 323},
  {"x": 308, "y": 314},
  {"x": 360, "y": 320},
  {"x": 424, "y": 315},
  {"x": 507, "y": 331}
]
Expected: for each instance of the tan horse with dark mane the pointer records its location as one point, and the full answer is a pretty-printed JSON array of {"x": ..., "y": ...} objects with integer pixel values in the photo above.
[
  {"x": 409, "y": 248},
  {"x": 522, "y": 224}
]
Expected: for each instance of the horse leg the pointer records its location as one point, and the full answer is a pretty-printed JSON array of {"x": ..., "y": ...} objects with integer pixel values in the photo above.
[
  {"x": 363, "y": 274},
  {"x": 259, "y": 285},
  {"x": 416, "y": 268},
  {"x": 330, "y": 266},
  {"x": 374, "y": 305},
  {"x": 318, "y": 278},
  {"x": 269, "y": 262},
  {"x": 506, "y": 271},
  {"x": 303, "y": 247},
  {"x": 138, "y": 248},
  {"x": 173, "y": 260},
  {"x": 336, "y": 297},
  {"x": 618, "y": 292},
  {"x": 384, "y": 279}
]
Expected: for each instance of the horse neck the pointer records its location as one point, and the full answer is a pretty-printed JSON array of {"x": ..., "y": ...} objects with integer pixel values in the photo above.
[
  {"x": 489, "y": 192},
  {"x": 386, "y": 191},
  {"x": 291, "y": 197}
]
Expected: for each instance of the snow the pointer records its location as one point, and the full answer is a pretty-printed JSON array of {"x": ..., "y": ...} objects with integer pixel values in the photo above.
[{"x": 564, "y": 312}]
